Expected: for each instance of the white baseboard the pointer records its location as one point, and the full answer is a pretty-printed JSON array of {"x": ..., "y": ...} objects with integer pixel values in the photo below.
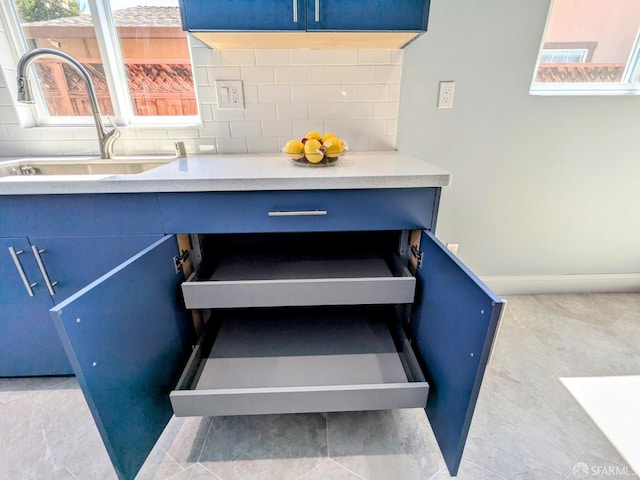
[{"x": 531, "y": 284}]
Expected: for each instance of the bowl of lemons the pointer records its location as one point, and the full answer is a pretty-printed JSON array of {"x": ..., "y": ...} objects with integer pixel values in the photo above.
[{"x": 315, "y": 150}]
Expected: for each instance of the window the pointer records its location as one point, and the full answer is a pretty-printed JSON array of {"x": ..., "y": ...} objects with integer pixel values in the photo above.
[
  {"x": 590, "y": 46},
  {"x": 135, "y": 51}
]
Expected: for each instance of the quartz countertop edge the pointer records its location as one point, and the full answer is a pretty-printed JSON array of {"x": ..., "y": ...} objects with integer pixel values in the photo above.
[{"x": 243, "y": 172}]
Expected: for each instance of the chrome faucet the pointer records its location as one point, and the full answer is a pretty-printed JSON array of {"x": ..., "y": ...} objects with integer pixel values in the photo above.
[{"x": 106, "y": 138}]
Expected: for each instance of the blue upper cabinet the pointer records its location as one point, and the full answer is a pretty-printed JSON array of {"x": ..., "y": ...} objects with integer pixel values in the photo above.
[
  {"x": 301, "y": 15},
  {"x": 367, "y": 15},
  {"x": 239, "y": 15}
]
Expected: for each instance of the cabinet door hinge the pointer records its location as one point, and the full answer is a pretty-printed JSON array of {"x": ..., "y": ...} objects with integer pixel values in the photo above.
[
  {"x": 179, "y": 260},
  {"x": 417, "y": 255}
]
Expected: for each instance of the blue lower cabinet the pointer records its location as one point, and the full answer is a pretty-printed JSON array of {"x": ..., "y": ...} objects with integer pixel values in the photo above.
[
  {"x": 128, "y": 337},
  {"x": 29, "y": 344},
  {"x": 454, "y": 322}
]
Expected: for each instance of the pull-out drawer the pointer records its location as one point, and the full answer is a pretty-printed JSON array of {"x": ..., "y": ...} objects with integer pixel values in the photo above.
[
  {"x": 271, "y": 270},
  {"x": 262, "y": 280},
  {"x": 294, "y": 360}
]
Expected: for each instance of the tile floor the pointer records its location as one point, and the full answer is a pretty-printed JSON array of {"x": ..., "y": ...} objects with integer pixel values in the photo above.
[{"x": 527, "y": 423}]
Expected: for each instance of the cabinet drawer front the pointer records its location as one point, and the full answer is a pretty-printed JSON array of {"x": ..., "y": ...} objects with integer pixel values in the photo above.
[
  {"x": 69, "y": 215},
  {"x": 298, "y": 211},
  {"x": 299, "y": 292},
  {"x": 294, "y": 361},
  {"x": 333, "y": 398}
]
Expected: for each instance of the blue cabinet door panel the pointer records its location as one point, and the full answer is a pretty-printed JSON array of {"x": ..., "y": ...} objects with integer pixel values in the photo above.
[
  {"x": 241, "y": 15},
  {"x": 74, "y": 262},
  {"x": 340, "y": 210},
  {"x": 29, "y": 344},
  {"x": 128, "y": 337},
  {"x": 360, "y": 15},
  {"x": 454, "y": 321},
  {"x": 67, "y": 215}
]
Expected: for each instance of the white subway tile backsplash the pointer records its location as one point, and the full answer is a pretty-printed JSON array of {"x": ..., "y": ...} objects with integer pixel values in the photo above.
[
  {"x": 292, "y": 111},
  {"x": 247, "y": 128},
  {"x": 206, "y": 113},
  {"x": 372, "y": 92},
  {"x": 215, "y": 129},
  {"x": 383, "y": 142},
  {"x": 396, "y": 57},
  {"x": 16, "y": 132},
  {"x": 260, "y": 111},
  {"x": 306, "y": 57},
  {"x": 292, "y": 75},
  {"x": 13, "y": 148},
  {"x": 223, "y": 73},
  {"x": 263, "y": 144},
  {"x": 324, "y": 74},
  {"x": 231, "y": 145},
  {"x": 277, "y": 128},
  {"x": 207, "y": 94},
  {"x": 385, "y": 110},
  {"x": 274, "y": 93},
  {"x": 238, "y": 57},
  {"x": 373, "y": 57},
  {"x": 306, "y": 93},
  {"x": 354, "y": 93},
  {"x": 357, "y": 74},
  {"x": 272, "y": 57},
  {"x": 329, "y": 111},
  {"x": 394, "y": 92},
  {"x": 250, "y": 93},
  {"x": 387, "y": 73},
  {"x": 257, "y": 75},
  {"x": 224, "y": 114},
  {"x": 339, "y": 93}
]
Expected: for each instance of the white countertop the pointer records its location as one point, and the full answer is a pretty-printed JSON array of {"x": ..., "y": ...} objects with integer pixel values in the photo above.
[{"x": 241, "y": 172}]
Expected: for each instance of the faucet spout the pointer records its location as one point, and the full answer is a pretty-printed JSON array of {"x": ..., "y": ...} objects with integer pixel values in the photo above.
[{"x": 106, "y": 138}]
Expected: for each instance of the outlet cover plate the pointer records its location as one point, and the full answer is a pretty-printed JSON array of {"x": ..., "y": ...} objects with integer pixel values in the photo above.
[{"x": 230, "y": 95}]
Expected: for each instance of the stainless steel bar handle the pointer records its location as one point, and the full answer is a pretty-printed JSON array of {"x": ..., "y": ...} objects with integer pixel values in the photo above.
[
  {"x": 317, "y": 10},
  {"x": 295, "y": 11},
  {"x": 27, "y": 285},
  {"x": 298, "y": 213},
  {"x": 45, "y": 275}
]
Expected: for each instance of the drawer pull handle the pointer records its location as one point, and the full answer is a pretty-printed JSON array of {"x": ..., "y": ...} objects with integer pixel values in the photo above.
[
  {"x": 295, "y": 11},
  {"x": 27, "y": 285},
  {"x": 43, "y": 270},
  {"x": 298, "y": 213}
]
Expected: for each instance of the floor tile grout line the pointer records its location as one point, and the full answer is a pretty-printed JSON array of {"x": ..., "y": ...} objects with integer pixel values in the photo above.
[
  {"x": 436, "y": 474},
  {"x": 487, "y": 469},
  {"x": 209, "y": 470},
  {"x": 204, "y": 442},
  {"x": 346, "y": 468}
]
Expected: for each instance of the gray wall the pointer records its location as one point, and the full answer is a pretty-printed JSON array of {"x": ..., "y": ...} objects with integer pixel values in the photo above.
[{"x": 541, "y": 185}]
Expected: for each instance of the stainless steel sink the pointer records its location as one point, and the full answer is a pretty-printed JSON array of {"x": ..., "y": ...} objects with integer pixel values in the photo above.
[{"x": 50, "y": 166}]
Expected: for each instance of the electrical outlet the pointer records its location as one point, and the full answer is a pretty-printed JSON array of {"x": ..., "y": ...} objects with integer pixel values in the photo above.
[
  {"x": 230, "y": 96},
  {"x": 453, "y": 247},
  {"x": 445, "y": 94}
]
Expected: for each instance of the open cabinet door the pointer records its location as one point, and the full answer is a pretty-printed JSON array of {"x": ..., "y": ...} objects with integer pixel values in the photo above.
[
  {"x": 128, "y": 338},
  {"x": 453, "y": 324}
]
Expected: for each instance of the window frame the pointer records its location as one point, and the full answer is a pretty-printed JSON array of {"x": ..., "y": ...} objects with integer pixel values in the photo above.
[
  {"x": 114, "y": 68},
  {"x": 630, "y": 84}
]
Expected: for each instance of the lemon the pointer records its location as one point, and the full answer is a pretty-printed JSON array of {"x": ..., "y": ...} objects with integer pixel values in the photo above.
[
  {"x": 311, "y": 151},
  {"x": 313, "y": 135},
  {"x": 327, "y": 136},
  {"x": 295, "y": 149},
  {"x": 334, "y": 146}
]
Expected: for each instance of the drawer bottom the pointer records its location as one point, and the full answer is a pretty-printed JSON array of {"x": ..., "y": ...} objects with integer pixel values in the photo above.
[{"x": 300, "y": 360}]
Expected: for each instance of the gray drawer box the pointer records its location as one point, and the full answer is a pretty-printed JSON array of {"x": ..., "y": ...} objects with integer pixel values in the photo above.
[
  {"x": 266, "y": 280},
  {"x": 295, "y": 360}
]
